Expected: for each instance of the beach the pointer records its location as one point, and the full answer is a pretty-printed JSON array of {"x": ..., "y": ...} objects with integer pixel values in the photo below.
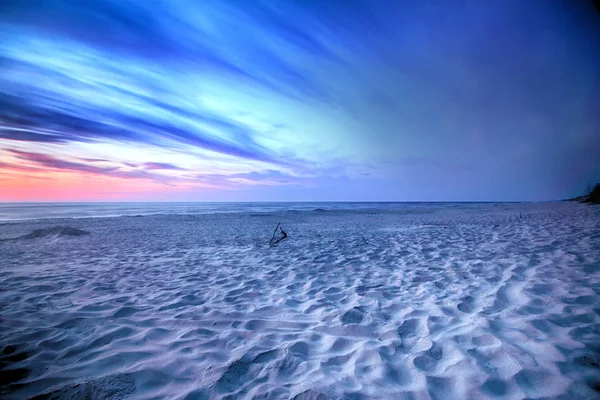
[{"x": 360, "y": 301}]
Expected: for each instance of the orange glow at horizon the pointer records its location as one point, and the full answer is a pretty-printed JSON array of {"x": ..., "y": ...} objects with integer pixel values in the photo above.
[{"x": 76, "y": 186}]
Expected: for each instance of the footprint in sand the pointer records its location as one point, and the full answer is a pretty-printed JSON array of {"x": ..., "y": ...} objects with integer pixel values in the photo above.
[
  {"x": 430, "y": 359},
  {"x": 353, "y": 316},
  {"x": 467, "y": 305}
]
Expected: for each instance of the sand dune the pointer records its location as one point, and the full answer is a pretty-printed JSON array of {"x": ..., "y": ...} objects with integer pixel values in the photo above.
[{"x": 464, "y": 302}]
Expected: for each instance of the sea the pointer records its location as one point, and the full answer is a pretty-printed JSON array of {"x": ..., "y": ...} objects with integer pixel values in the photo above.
[{"x": 12, "y": 211}]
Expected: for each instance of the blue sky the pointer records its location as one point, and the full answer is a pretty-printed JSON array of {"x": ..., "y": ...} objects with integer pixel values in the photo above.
[{"x": 298, "y": 100}]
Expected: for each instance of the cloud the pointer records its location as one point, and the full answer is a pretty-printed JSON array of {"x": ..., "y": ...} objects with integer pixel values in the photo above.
[
  {"x": 94, "y": 160},
  {"x": 162, "y": 166},
  {"x": 180, "y": 37},
  {"x": 117, "y": 78},
  {"x": 20, "y": 168},
  {"x": 24, "y": 135},
  {"x": 54, "y": 163},
  {"x": 23, "y": 121},
  {"x": 254, "y": 178},
  {"x": 44, "y": 163},
  {"x": 270, "y": 175}
]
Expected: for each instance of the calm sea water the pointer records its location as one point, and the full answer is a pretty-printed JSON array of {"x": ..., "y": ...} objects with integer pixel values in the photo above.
[{"x": 22, "y": 211}]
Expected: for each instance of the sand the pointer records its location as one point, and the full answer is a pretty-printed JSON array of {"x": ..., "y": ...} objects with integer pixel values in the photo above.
[{"x": 437, "y": 302}]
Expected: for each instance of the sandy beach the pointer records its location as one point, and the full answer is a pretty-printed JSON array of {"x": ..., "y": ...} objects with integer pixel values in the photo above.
[{"x": 440, "y": 301}]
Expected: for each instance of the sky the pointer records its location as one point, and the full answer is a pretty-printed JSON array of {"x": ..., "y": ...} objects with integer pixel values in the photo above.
[{"x": 302, "y": 100}]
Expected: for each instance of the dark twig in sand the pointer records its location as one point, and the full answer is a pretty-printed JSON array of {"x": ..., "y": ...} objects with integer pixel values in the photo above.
[
  {"x": 274, "y": 240},
  {"x": 275, "y": 231}
]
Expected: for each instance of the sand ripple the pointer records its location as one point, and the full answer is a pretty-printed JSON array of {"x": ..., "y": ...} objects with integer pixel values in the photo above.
[{"x": 472, "y": 302}]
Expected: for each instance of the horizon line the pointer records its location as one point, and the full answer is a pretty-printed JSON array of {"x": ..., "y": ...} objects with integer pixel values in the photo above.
[{"x": 285, "y": 201}]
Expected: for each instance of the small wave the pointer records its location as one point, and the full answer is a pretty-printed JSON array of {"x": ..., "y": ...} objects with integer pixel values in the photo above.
[{"x": 55, "y": 231}]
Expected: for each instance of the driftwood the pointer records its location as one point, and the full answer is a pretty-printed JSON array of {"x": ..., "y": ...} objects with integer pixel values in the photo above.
[{"x": 274, "y": 240}]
